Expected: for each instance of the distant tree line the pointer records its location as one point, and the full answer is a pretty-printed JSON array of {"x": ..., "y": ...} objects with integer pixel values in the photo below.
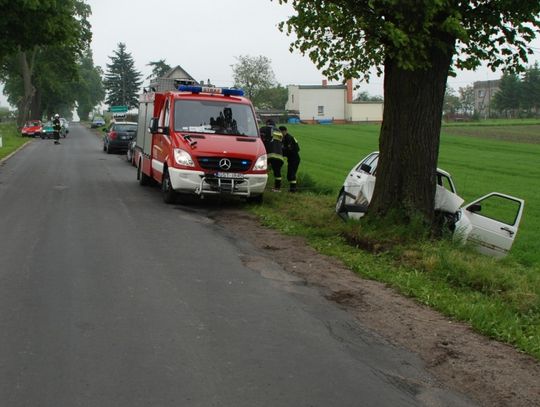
[
  {"x": 458, "y": 104},
  {"x": 518, "y": 95}
]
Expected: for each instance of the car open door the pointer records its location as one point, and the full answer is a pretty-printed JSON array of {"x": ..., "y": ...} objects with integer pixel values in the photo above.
[{"x": 493, "y": 222}]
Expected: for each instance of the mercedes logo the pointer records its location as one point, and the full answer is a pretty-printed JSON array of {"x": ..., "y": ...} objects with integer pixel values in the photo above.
[{"x": 225, "y": 164}]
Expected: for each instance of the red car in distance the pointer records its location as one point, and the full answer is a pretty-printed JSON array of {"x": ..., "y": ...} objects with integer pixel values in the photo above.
[{"x": 32, "y": 128}]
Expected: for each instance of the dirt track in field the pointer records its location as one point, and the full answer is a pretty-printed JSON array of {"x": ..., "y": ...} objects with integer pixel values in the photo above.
[{"x": 520, "y": 134}]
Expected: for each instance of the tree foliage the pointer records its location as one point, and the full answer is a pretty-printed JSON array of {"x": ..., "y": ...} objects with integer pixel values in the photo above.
[
  {"x": 159, "y": 68},
  {"x": 466, "y": 99},
  {"x": 519, "y": 95},
  {"x": 253, "y": 74},
  {"x": 451, "y": 103},
  {"x": 271, "y": 98},
  {"x": 417, "y": 44},
  {"x": 122, "y": 81},
  {"x": 27, "y": 24},
  {"x": 88, "y": 90},
  {"x": 41, "y": 42},
  {"x": 531, "y": 89},
  {"x": 364, "y": 96},
  {"x": 509, "y": 95}
]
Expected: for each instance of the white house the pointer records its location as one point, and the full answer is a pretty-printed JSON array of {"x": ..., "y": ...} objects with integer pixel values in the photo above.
[{"x": 325, "y": 103}]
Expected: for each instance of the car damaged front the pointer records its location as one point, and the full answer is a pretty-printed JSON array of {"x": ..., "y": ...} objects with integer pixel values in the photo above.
[{"x": 490, "y": 223}]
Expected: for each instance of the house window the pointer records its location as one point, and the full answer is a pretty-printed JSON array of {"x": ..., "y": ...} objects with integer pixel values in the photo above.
[
  {"x": 320, "y": 110},
  {"x": 292, "y": 98},
  {"x": 480, "y": 93}
]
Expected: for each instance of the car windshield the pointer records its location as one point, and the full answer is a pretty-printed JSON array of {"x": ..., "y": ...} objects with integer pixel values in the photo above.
[
  {"x": 33, "y": 123},
  {"x": 201, "y": 116},
  {"x": 126, "y": 127},
  {"x": 48, "y": 124}
]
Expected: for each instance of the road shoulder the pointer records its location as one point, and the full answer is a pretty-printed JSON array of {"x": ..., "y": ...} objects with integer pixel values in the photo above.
[{"x": 488, "y": 371}]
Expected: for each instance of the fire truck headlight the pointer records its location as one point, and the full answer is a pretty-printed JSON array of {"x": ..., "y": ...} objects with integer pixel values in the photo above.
[
  {"x": 182, "y": 157},
  {"x": 261, "y": 164}
]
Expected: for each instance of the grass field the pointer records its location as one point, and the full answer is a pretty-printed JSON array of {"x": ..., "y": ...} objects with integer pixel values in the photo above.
[
  {"x": 479, "y": 165},
  {"x": 11, "y": 139},
  {"x": 499, "y": 298}
]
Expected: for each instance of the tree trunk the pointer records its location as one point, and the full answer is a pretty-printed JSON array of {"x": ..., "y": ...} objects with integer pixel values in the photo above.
[
  {"x": 29, "y": 90},
  {"x": 409, "y": 139}
]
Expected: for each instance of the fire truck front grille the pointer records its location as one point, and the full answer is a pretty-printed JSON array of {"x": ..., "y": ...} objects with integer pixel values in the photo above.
[{"x": 224, "y": 164}]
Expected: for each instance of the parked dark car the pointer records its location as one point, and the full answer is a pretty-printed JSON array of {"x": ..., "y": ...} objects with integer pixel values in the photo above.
[{"x": 118, "y": 136}]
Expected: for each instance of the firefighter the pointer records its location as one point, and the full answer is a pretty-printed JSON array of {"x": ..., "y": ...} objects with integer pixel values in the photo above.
[
  {"x": 272, "y": 142},
  {"x": 57, "y": 127},
  {"x": 291, "y": 150}
]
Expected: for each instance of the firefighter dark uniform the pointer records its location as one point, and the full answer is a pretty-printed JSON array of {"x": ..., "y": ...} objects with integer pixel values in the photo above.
[
  {"x": 291, "y": 150},
  {"x": 272, "y": 142},
  {"x": 57, "y": 127}
]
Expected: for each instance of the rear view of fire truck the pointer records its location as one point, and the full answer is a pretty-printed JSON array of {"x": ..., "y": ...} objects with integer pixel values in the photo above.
[{"x": 200, "y": 141}]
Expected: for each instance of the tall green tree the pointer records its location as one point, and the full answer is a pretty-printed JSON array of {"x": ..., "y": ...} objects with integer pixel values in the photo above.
[
  {"x": 88, "y": 90},
  {"x": 531, "y": 89},
  {"x": 122, "y": 81},
  {"x": 508, "y": 98},
  {"x": 29, "y": 28},
  {"x": 253, "y": 74},
  {"x": 159, "y": 68},
  {"x": 416, "y": 43}
]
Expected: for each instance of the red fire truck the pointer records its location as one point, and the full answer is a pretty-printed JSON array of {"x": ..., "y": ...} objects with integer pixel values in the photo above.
[{"x": 200, "y": 141}]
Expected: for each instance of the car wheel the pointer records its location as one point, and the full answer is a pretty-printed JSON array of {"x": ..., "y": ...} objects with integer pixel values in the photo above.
[
  {"x": 141, "y": 176},
  {"x": 169, "y": 194},
  {"x": 109, "y": 149},
  {"x": 340, "y": 206}
]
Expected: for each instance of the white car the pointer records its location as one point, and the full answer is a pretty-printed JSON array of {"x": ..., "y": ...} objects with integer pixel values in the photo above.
[{"x": 490, "y": 222}]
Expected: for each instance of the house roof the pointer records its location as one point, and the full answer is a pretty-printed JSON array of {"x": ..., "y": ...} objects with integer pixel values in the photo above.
[
  {"x": 177, "y": 73},
  {"x": 322, "y": 87}
]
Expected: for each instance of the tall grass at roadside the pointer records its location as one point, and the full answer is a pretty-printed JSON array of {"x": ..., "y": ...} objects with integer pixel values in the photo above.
[
  {"x": 11, "y": 139},
  {"x": 500, "y": 299}
]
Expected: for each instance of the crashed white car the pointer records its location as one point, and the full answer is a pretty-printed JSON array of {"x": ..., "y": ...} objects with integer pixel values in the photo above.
[{"x": 490, "y": 222}]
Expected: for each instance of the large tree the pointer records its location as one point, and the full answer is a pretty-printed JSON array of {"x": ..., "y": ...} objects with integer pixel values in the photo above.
[
  {"x": 88, "y": 91},
  {"x": 415, "y": 43},
  {"x": 253, "y": 74},
  {"x": 508, "y": 98},
  {"x": 122, "y": 81},
  {"x": 28, "y": 28},
  {"x": 531, "y": 89}
]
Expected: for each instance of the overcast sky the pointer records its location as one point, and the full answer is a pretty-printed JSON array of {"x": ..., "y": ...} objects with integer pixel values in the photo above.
[{"x": 205, "y": 36}]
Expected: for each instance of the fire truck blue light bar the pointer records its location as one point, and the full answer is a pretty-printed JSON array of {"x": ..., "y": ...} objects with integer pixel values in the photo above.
[{"x": 207, "y": 89}]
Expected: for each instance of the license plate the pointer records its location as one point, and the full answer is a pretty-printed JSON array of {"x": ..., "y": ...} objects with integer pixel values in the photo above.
[{"x": 230, "y": 175}]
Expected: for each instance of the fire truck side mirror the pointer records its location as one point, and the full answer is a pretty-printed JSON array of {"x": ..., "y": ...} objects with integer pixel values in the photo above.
[{"x": 153, "y": 125}]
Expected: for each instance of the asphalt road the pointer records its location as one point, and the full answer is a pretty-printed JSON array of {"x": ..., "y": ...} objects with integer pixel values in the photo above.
[{"x": 109, "y": 297}]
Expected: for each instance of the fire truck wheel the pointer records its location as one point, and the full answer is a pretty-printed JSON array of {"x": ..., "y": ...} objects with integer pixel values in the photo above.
[
  {"x": 169, "y": 194},
  {"x": 141, "y": 176}
]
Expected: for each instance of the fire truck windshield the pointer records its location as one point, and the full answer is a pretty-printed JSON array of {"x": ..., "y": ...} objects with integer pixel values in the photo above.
[{"x": 214, "y": 117}]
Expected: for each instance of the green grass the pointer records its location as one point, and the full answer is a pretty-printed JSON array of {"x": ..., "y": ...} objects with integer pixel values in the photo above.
[
  {"x": 500, "y": 298},
  {"x": 11, "y": 139},
  {"x": 478, "y": 165}
]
